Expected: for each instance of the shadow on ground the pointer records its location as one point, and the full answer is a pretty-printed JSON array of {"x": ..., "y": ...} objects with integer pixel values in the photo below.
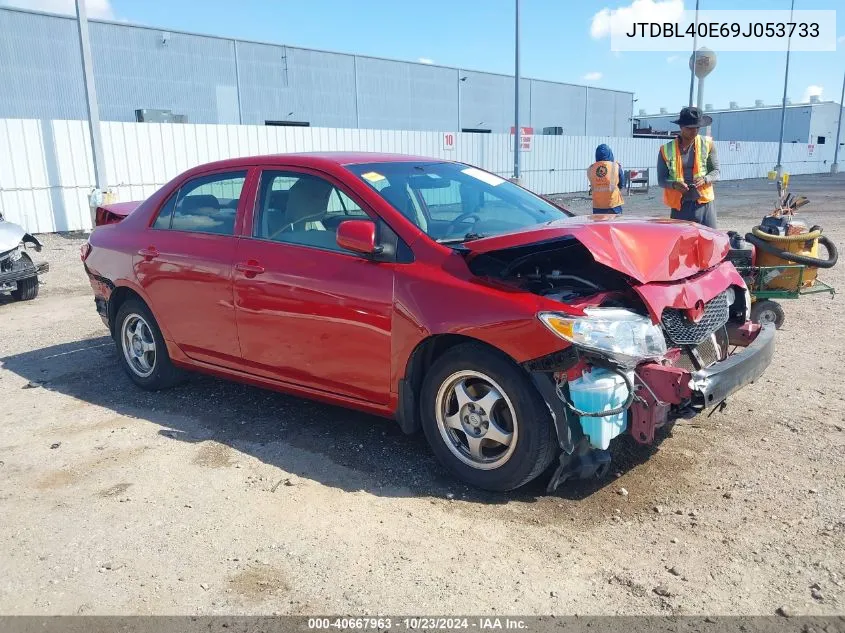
[{"x": 373, "y": 453}]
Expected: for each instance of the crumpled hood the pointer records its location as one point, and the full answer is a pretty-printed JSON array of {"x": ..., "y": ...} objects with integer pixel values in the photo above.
[
  {"x": 648, "y": 250},
  {"x": 11, "y": 236}
]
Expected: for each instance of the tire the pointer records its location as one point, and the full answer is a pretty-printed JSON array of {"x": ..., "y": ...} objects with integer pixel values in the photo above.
[
  {"x": 27, "y": 288},
  {"x": 767, "y": 311},
  {"x": 141, "y": 348},
  {"x": 472, "y": 440}
]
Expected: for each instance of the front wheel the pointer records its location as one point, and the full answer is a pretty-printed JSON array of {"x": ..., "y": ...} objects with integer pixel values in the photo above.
[
  {"x": 485, "y": 420},
  {"x": 27, "y": 288}
]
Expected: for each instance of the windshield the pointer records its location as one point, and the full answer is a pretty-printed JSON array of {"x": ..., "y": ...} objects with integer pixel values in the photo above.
[{"x": 454, "y": 203}]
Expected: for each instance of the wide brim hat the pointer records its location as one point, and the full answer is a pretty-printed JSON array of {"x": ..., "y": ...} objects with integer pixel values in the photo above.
[{"x": 692, "y": 117}]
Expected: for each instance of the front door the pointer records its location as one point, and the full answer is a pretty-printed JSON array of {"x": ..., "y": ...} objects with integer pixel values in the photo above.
[
  {"x": 185, "y": 266},
  {"x": 307, "y": 311}
]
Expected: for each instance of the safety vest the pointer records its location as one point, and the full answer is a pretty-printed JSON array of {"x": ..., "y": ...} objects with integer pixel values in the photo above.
[
  {"x": 604, "y": 181},
  {"x": 671, "y": 153}
]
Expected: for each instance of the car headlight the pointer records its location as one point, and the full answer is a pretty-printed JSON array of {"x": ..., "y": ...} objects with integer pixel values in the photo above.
[
  {"x": 16, "y": 254},
  {"x": 622, "y": 335}
]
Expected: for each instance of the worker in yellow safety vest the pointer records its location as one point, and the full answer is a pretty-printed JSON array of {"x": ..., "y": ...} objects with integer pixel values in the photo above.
[
  {"x": 606, "y": 181},
  {"x": 687, "y": 167}
]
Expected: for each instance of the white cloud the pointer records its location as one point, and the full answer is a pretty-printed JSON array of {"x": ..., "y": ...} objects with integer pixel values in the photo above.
[
  {"x": 672, "y": 59},
  {"x": 593, "y": 76},
  {"x": 812, "y": 91},
  {"x": 425, "y": 60},
  {"x": 619, "y": 20},
  {"x": 96, "y": 8}
]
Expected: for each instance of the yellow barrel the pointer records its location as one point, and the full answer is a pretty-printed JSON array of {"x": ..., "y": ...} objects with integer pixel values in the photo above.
[{"x": 788, "y": 279}]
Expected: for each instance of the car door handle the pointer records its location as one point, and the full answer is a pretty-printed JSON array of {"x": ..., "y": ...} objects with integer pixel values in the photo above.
[
  {"x": 149, "y": 253},
  {"x": 250, "y": 268}
]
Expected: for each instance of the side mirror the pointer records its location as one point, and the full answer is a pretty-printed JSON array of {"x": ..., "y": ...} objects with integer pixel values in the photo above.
[{"x": 358, "y": 236}]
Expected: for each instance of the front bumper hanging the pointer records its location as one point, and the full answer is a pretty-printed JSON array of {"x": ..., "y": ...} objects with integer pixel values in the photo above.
[{"x": 26, "y": 273}]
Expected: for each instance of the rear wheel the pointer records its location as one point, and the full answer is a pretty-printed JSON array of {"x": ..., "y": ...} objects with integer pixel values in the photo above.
[
  {"x": 767, "y": 311},
  {"x": 141, "y": 347},
  {"x": 485, "y": 420},
  {"x": 27, "y": 288}
]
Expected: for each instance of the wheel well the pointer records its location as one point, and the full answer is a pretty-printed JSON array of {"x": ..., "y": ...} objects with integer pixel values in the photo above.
[
  {"x": 421, "y": 359},
  {"x": 117, "y": 298}
]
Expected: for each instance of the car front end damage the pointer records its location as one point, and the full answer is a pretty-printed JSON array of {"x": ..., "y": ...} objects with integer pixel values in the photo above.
[
  {"x": 679, "y": 348},
  {"x": 15, "y": 264}
]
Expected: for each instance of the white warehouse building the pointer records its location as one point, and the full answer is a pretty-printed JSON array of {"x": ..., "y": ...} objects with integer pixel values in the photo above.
[
  {"x": 812, "y": 123},
  {"x": 153, "y": 74}
]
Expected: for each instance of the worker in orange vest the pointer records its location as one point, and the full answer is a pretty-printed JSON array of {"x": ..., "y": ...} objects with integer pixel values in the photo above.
[
  {"x": 606, "y": 181},
  {"x": 687, "y": 167}
]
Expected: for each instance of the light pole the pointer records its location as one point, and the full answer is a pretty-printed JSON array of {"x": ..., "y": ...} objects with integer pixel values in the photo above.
[
  {"x": 834, "y": 168},
  {"x": 694, "y": 57},
  {"x": 779, "y": 167},
  {"x": 516, "y": 135},
  {"x": 93, "y": 109}
]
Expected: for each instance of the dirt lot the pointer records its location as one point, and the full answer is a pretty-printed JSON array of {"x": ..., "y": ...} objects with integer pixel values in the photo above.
[{"x": 220, "y": 498}]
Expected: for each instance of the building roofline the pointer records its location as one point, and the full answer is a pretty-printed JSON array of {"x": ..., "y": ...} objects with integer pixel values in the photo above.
[
  {"x": 806, "y": 104},
  {"x": 304, "y": 48}
]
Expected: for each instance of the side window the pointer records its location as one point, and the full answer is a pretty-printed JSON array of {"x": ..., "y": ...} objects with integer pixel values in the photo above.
[
  {"x": 166, "y": 213},
  {"x": 209, "y": 204},
  {"x": 301, "y": 209}
]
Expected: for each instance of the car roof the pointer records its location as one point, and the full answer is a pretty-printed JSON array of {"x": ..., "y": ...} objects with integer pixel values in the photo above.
[{"x": 318, "y": 159}]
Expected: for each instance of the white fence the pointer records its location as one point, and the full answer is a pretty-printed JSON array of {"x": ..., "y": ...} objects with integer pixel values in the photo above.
[{"x": 46, "y": 170}]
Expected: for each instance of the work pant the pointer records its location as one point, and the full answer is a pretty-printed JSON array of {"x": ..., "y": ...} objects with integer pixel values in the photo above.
[
  {"x": 616, "y": 210},
  {"x": 694, "y": 212}
]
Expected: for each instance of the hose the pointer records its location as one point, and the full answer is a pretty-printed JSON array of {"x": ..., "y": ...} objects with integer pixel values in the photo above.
[
  {"x": 814, "y": 234},
  {"x": 603, "y": 414},
  {"x": 769, "y": 243}
]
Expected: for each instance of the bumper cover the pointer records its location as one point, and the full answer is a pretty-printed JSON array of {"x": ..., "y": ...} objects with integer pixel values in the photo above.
[
  {"x": 17, "y": 275},
  {"x": 714, "y": 384}
]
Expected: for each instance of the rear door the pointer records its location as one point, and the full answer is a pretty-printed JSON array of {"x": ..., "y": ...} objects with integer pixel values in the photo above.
[
  {"x": 309, "y": 312},
  {"x": 185, "y": 266}
]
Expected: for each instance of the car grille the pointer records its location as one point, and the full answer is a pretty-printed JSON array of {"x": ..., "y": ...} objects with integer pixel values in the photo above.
[
  {"x": 713, "y": 349},
  {"x": 682, "y": 331}
]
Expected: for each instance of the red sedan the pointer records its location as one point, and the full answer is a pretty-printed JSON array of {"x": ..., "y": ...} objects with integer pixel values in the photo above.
[{"x": 431, "y": 292}]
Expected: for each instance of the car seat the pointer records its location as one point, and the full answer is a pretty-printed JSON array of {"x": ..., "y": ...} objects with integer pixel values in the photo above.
[{"x": 307, "y": 202}]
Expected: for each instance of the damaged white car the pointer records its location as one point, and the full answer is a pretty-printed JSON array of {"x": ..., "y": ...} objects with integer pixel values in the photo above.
[{"x": 18, "y": 272}]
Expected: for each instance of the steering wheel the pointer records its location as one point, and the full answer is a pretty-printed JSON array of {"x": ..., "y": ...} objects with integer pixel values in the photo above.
[{"x": 461, "y": 219}]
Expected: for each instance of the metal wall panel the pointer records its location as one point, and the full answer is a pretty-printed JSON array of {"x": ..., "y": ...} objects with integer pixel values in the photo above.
[
  {"x": 217, "y": 80},
  {"x": 559, "y": 105},
  {"x": 758, "y": 125},
  {"x": 134, "y": 69},
  {"x": 404, "y": 96},
  {"x": 280, "y": 83},
  {"x": 487, "y": 101},
  {"x": 40, "y": 67}
]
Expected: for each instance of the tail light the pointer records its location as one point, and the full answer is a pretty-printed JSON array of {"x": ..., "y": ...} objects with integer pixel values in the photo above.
[{"x": 84, "y": 251}]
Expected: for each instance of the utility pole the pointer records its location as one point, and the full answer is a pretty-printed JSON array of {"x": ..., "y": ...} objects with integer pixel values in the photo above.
[
  {"x": 694, "y": 55},
  {"x": 834, "y": 168},
  {"x": 516, "y": 134},
  {"x": 779, "y": 166},
  {"x": 92, "y": 107}
]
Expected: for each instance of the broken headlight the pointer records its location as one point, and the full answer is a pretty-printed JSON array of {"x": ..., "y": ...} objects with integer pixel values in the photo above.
[{"x": 623, "y": 336}]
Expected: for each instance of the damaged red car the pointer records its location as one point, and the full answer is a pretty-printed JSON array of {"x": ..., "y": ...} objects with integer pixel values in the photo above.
[{"x": 432, "y": 292}]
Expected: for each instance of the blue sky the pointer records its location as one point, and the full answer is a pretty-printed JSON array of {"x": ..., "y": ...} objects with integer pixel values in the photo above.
[{"x": 478, "y": 35}]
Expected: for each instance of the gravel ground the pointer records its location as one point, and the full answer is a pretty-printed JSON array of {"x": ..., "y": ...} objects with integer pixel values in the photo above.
[{"x": 219, "y": 498}]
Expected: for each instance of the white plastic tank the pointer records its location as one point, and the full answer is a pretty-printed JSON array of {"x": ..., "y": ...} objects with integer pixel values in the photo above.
[{"x": 595, "y": 391}]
